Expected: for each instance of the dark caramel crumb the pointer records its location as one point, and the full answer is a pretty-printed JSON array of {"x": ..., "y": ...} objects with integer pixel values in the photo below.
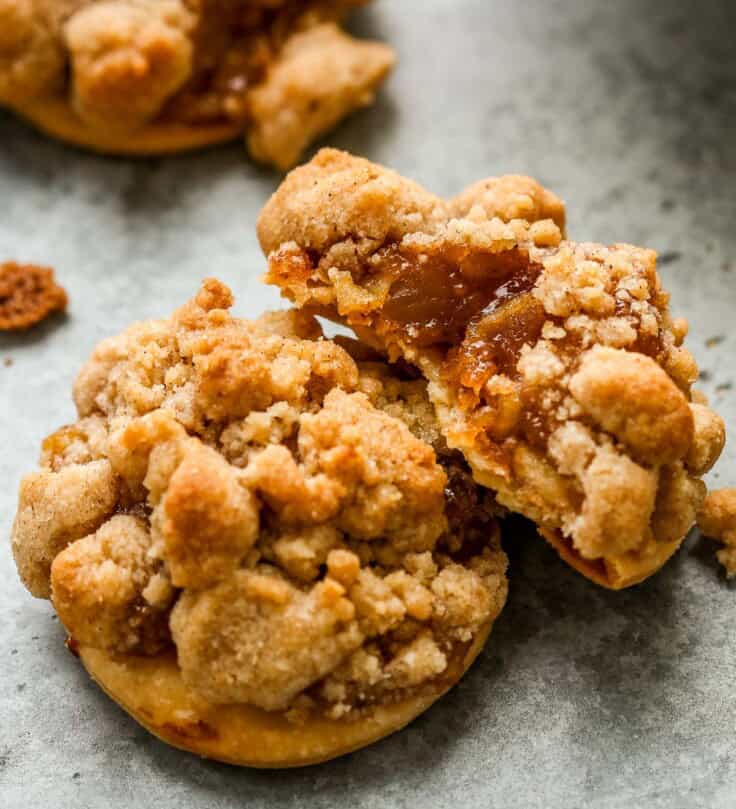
[
  {"x": 72, "y": 645},
  {"x": 28, "y": 294}
]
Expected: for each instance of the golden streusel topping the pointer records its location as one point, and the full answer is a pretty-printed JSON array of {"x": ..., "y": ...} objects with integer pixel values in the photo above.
[{"x": 288, "y": 517}]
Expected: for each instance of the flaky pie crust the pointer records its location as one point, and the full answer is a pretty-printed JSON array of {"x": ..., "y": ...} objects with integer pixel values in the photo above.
[
  {"x": 55, "y": 117},
  {"x": 152, "y": 692}
]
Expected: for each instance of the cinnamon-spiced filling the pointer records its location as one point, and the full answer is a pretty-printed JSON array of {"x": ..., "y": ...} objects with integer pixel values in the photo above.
[{"x": 476, "y": 309}]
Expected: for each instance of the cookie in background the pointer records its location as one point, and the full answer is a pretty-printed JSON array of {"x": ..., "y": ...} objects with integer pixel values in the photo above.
[{"x": 144, "y": 77}]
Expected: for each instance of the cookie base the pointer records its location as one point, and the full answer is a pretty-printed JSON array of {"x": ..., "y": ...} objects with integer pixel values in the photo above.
[
  {"x": 56, "y": 118},
  {"x": 615, "y": 573},
  {"x": 152, "y": 691}
]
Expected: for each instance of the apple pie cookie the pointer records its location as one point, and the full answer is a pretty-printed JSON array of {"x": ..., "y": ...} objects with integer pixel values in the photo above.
[
  {"x": 260, "y": 547},
  {"x": 555, "y": 367},
  {"x": 160, "y": 76}
]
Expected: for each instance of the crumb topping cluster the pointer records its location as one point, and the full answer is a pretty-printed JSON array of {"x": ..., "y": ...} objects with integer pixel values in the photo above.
[
  {"x": 717, "y": 519},
  {"x": 554, "y": 366},
  {"x": 287, "y": 517}
]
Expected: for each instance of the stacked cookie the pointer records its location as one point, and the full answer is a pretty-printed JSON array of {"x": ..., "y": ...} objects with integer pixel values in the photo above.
[{"x": 272, "y": 548}]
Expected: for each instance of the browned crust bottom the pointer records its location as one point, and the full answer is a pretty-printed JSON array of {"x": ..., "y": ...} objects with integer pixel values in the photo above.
[
  {"x": 152, "y": 691},
  {"x": 615, "y": 573},
  {"x": 56, "y": 118}
]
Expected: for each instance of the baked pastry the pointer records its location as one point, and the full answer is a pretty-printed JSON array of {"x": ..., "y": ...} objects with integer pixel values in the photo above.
[
  {"x": 158, "y": 76},
  {"x": 555, "y": 367},
  {"x": 261, "y": 548}
]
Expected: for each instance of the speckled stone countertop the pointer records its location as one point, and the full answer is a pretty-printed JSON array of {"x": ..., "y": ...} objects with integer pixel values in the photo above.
[{"x": 582, "y": 698}]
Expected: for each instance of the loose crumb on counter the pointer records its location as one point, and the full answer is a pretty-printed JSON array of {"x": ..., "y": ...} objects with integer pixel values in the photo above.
[{"x": 28, "y": 295}]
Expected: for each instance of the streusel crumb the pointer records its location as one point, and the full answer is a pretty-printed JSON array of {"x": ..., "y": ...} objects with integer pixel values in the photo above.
[
  {"x": 717, "y": 519},
  {"x": 287, "y": 517},
  {"x": 554, "y": 366}
]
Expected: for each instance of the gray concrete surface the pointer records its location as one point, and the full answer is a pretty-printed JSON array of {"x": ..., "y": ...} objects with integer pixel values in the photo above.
[{"x": 583, "y": 698}]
